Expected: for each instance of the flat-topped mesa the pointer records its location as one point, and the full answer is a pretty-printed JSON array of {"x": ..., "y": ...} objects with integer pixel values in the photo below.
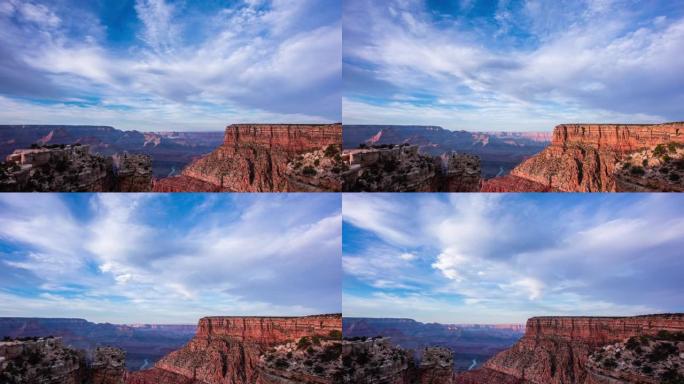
[
  {"x": 557, "y": 350},
  {"x": 266, "y": 158},
  {"x": 268, "y": 330},
  {"x": 602, "y": 330},
  {"x": 289, "y": 137},
  {"x": 230, "y": 349},
  {"x": 603, "y": 158},
  {"x": 618, "y": 137}
]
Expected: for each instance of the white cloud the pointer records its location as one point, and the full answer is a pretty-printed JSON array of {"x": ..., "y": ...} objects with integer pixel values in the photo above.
[
  {"x": 479, "y": 256},
  {"x": 246, "y": 256}
]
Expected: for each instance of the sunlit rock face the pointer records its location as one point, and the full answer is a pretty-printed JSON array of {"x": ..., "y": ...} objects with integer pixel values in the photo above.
[
  {"x": 267, "y": 158},
  {"x": 231, "y": 350},
  {"x": 559, "y": 350},
  {"x": 604, "y": 158}
]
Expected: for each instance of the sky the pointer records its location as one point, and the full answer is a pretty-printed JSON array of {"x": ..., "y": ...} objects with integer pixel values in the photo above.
[
  {"x": 503, "y": 258},
  {"x": 169, "y": 258},
  {"x": 170, "y": 64},
  {"x": 512, "y": 65}
]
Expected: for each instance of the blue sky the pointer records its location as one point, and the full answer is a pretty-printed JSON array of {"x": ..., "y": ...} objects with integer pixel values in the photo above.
[
  {"x": 169, "y": 64},
  {"x": 502, "y": 258},
  {"x": 169, "y": 258},
  {"x": 524, "y": 65}
]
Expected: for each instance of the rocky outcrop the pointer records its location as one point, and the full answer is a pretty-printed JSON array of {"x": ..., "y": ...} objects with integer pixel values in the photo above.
[
  {"x": 401, "y": 168},
  {"x": 228, "y": 350},
  {"x": 376, "y": 360},
  {"x": 308, "y": 360},
  {"x": 599, "y": 158},
  {"x": 499, "y": 152},
  {"x": 72, "y": 168},
  {"x": 437, "y": 366},
  {"x": 170, "y": 151},
  {"x": 48, "y": 361},
  {"x": 557, "y": 350},
  {"x": 133, "y": 173},
  {"x": 108, "y": 366},
  {"x": 263, "y": 158}
]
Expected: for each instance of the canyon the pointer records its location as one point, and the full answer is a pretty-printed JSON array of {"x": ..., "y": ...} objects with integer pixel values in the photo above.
[
  {"x": 468, "y": 342},
  {"x": 253, "y": 350},
  {"x": 602, "y": 158},
  {"x": 499, "y": 152},
  {"x": 554, "y": 350},
  {"x": 169, "y": 151},
  {"x": 402, "y": 168},
  {"x": 143, "y": 344},
  {"x": 266, "y": 158},
  {"x": 223, "y": 350}
]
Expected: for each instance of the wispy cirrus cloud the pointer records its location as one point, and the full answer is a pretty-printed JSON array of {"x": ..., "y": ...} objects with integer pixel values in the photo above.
[
  {"x": 160, "y": 64},
  {"x": 504, "y": 258},
  {"x": 147, "y": 258},
  {"x": 512, "y": 65}
]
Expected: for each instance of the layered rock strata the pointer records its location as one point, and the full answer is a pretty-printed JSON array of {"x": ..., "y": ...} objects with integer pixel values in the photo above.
[
  {"x": 72, "y": 168},
  {"x": 263, "y": 158},
  {"x": 557, "y": 350},
  {"x": 229, "y": 350},
  {"x": 401, "y": 168},
  {"x": 598, "y": 158}
]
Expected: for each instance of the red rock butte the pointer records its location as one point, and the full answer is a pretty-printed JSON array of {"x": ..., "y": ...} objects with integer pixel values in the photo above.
[
  {"x": 255, "y": 158},
  {"x": 584, "y": 158},
  {"x": 227, "y": 350},
  {"x": 555, "y": 350}
]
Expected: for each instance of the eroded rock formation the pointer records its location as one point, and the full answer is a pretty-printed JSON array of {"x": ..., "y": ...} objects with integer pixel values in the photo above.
[
  {"x": 72, "y": 168},
  {"x": 401, "y": 168},
  {"x": 47, "y": 360},
  {"x": 557, "y": 350},
  {"x": 603, "y": 157},
  {"x": 267, "y": 158},
  {"x": 232, "y": 350}
]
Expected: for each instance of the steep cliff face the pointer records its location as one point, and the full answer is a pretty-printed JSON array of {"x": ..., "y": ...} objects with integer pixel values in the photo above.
[
  {"x": 108, "y": 366},
  {"x": 228, "y": 350},
  {"x": 255, "y": 158},
  {"x": 556, "y": 350},
  {"x": 596, "y": 157}
]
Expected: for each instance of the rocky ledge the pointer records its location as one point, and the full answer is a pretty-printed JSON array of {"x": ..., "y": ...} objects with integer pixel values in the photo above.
[
  {"x": 46, "y": 360},
  {"x": 402, "y": 168},
  {"x": 267, "y": 158},
  {"x": 72, "y": 168}
]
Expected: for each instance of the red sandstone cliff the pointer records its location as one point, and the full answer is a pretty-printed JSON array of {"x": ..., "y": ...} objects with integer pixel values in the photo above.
[
  {"x": 260, "y": 158},
  {"x": 592, "y": 157},
  {"x": 556, "y": 350},
  {"x": 227, "y": 350}
]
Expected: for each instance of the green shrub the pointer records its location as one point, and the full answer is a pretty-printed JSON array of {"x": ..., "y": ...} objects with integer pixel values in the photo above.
[
  {"x": 303, "y": 343},
  {"x": 309, "y": 171},
  {"x": 636, "y": 170},
  {"x": 331, "y": 150},
  {"x": 609, "y": 363}
]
